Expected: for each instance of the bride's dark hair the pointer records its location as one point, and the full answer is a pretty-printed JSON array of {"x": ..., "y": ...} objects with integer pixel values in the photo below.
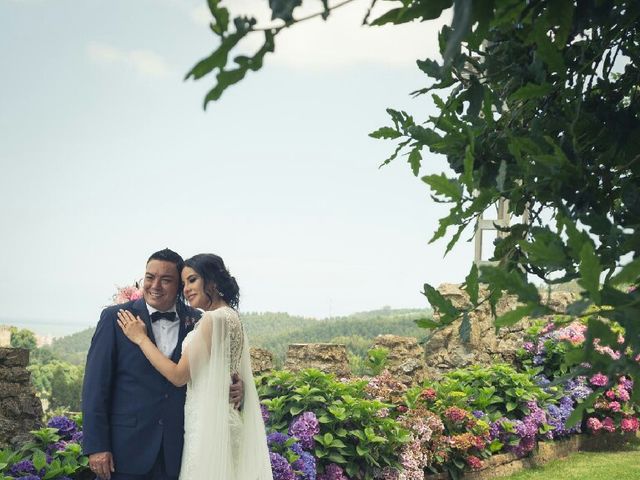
[{"x": 215, "y": 275}]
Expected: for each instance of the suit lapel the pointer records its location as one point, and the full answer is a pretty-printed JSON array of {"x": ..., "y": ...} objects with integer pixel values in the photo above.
[
  {"x": 140, "y": 309},
  {"x": 187, "y": 318}
]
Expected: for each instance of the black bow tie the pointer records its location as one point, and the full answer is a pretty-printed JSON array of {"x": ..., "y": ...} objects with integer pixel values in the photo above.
[{"x": 171, "y": 316}]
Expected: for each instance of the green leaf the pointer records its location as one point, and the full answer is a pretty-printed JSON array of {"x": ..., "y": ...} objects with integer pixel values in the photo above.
[
  {"x": 283, "y": 9},
  {"x": 431, "y": 68},
  {"x": 218, "y": 59},
  {"x": 296, "y": 409},
  {"x": 628, "y": 274},
  {"x": 472, "y": 285},
  {"x": 514, "y": 316},
  {"x": 337, "y": 458},
  {"x": 427, "y": 323},
  {"x": 444, "y": 186},
  {"x": 590, "y": 271},
  {"x": 531, "y": 90},
  {"x": 221, "y": 17},
  {"x": 385, "y": 132},
  {"x": 426, "y": 136},
  {"x": 39, "y": 460},
  {"x": 226, "y": 78},
  {"x": 414, "y": 160},
  {"x": 439, "y": 302},
  {"x": 513, "y": 281}
]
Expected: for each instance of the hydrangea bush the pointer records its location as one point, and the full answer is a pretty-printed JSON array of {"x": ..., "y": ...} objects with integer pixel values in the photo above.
[
  {"x": 348, "y": 431},
  {"x": 53, "y": 454}
]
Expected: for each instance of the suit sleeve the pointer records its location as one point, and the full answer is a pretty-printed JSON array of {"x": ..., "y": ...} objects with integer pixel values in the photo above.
[{"x": 96, "y": 389}]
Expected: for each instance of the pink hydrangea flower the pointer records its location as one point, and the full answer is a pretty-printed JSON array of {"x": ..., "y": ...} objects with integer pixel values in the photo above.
[
  {"x": 610, "y": 394},
  {"x": 594, "y": 425},
  {"x": 474, "y": 462},
  {"x": 630, "y": 424},
  {"x": 608, "y": 425},
  {"x": 599, "y": 380},
  {"x": 455, "y": 414},
  {"x": 623, "y": 395},
  {"x": 614, "y": 406}
]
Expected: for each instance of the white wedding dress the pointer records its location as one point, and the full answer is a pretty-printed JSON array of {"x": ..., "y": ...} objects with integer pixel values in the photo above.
[{"x": 221, "y": 443}]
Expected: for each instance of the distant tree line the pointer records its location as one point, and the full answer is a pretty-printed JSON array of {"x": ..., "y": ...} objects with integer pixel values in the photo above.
[{"x": 57, "y": 370}]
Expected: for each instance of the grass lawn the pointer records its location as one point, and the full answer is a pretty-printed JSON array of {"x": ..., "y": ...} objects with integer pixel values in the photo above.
[{"x": 622, "y": 465}]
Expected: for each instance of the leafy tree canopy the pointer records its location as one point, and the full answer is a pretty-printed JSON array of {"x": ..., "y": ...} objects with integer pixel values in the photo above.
[
  {"x": 23, "y": 338},
  {"x": 538, "y": 105}
]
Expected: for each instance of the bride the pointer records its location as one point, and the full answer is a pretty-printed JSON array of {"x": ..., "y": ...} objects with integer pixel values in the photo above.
[{"x": 220, "y": 442}]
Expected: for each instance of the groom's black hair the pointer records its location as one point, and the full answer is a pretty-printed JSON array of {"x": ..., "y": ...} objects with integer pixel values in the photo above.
[{"x": 168, "y": 255}]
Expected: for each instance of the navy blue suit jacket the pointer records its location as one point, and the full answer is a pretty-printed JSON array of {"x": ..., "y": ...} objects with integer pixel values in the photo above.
[{"x": 128, "y": 408}]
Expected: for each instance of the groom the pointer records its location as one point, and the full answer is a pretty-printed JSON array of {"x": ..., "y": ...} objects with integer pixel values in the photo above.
[{"x": 133, "y": 418}]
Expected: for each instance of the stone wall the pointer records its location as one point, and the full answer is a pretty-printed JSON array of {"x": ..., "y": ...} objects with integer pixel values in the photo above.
[
  {"x": 327, "y": 357},
  {"x": 20, "y": 409},
  {"x": 445, "y": 350},
  {"x": 261, "y": 360},
  {"x": 405, "y": 359}
]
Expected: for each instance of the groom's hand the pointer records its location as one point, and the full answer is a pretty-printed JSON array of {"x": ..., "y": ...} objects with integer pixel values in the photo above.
[
  {"x": 236, "y": 392},
  {"x": 101, "y": 464}
]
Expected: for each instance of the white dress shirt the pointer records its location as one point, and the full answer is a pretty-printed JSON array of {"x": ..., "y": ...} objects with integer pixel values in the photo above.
[{"x": 165, "y": 332}]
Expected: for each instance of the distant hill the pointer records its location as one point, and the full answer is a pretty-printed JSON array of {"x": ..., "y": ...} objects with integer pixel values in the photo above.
[
  {"x": 72, "y": 348},
  {"x": 275, "y": 331}
]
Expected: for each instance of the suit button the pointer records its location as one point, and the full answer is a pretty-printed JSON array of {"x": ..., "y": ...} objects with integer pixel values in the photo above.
[
  {"x": 166, "y": 395},
  {"x": 160, "y": 422}
]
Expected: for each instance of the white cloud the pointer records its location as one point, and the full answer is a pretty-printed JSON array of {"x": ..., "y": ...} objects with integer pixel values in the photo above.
[
  {"x": 144, "y": 62},
  {"x": 341, "y": 41}
]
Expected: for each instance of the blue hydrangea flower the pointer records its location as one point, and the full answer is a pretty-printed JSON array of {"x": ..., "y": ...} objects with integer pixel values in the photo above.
[{"x": 307, "y": 465}]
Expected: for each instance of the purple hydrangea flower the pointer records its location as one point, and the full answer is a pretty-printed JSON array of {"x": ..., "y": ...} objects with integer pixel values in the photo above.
[
  {"x": 57, "y": 447},
  {"x": 333, "y": 472},
  {"x": 22, "y": 468},
  {"x": 277, "y": 438},
  {"x": 304, "y": 428},
  {"x": 30, "y": 477},
  {"x": 66, "y": 427},
  {"x": 77, "y": 437},
  {"x": 265, "y": 413},
  {"x": 478, "y": 413},
  {"x": 281, "y": 468}
]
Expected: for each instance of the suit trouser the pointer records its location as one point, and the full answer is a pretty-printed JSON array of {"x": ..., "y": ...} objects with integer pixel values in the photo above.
[{"x": 158, "y": 472}]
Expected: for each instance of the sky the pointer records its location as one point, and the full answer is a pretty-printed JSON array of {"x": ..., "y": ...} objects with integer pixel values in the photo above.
[{"x": 107, "y": 155}]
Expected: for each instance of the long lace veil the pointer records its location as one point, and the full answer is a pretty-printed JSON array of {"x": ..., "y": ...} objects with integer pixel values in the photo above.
[{"x": 215, "y": 437}]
